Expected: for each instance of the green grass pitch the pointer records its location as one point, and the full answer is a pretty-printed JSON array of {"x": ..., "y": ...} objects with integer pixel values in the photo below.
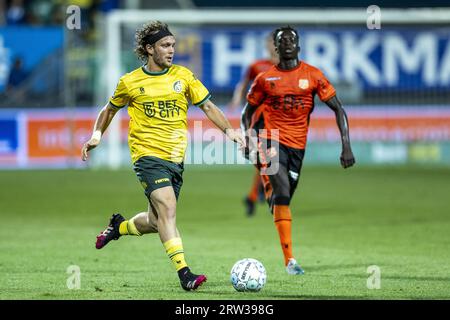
[{"x": 397, "y": 218}]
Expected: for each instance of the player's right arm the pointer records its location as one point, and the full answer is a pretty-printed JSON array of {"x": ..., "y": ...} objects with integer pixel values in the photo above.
[
  {"x": 104, "y": 118},
  {"x": 251, "y": 145},
  {"x": 119, "y": 100},
  {"x": 255, "y": 98},
  {"x": 246, "y": 116}
]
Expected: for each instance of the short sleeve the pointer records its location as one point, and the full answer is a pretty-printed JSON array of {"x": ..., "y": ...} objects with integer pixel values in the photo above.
[
  {"x": 325, "y": 89},
  {"x": 121, "y": 95},
  {"x": 256, "y": 94},
  {"x": 198, "y": 94}
]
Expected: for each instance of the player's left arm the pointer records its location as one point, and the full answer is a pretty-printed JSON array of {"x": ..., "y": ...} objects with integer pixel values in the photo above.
[
  {"x": 347, "y": 157},
  {"x": 218, "y": 118}
]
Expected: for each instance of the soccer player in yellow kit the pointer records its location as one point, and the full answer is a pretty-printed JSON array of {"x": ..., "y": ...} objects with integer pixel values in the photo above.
[{"x": 157, "y": 98}]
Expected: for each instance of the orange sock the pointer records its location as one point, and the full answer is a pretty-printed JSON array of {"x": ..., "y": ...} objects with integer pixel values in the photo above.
[
  {"x": 282, "y": 219},
  {"x": 253, "y": 195}
]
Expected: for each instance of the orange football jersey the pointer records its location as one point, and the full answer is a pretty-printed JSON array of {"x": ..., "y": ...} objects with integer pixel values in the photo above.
[{"x": 285, "y": 100}]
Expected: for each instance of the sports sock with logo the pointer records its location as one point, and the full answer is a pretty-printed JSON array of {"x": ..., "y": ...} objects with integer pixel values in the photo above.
[
  {"x": 175, "y": 252},
  {"x": 128, "y": 227},
  {"x": 283, "y": 220}
]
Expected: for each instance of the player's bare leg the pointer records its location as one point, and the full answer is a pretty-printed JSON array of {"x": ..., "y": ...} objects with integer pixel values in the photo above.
[
  {"x": 147, "y": 222},
  {"x": 164, "y": 202},
  {"x": 142, "y": 223}
]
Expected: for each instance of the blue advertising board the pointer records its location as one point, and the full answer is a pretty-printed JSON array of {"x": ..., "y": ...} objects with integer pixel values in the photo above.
[
  {"x": 9, "y": 138},
  {"x": 414, "y": 58}
]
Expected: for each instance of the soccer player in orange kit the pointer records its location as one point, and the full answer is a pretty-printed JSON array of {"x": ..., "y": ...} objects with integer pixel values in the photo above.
[
  {"x": 260, "y": 65},
  {"x": 281, "y": 101}
]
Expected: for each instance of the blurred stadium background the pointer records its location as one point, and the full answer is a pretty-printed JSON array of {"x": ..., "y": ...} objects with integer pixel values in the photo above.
[
  {"x": 390, "y": 210},
  {"x": 394, "y": 81}
]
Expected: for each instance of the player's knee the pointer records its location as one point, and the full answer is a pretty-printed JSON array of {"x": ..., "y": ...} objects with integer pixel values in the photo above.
[
  {"x": 282, "y": 199},
  {"x": 145, "y": 226},
  {"x": 152, "y": 228},
  {"x": 165, "y": 206},
  {"x": 167, "y": 211}
]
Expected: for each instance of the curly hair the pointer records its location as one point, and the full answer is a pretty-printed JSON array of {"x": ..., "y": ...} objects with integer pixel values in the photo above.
[{"x": 147, "y": 29}]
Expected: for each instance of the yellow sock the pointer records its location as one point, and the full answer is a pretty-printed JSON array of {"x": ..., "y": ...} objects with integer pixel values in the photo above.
[
  {"x": 128, "y": 227},
  {"x": 174, "y": 249}
]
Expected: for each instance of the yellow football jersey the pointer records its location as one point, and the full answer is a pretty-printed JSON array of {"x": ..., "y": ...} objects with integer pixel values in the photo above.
[{"x": 158, "y": 105}]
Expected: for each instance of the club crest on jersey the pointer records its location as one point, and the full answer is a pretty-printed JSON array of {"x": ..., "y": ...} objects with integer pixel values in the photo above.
[
  {"x": 177, "y": 87},
  {"x": 303, "y": 83},
  {"x": 149, "y": 109}
]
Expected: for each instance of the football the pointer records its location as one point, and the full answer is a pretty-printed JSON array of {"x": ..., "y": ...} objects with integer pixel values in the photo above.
[{"x": 248, "y": 275}]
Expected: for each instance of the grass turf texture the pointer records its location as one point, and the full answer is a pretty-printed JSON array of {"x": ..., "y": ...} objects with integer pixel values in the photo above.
[{"x": 343, "y": 221}]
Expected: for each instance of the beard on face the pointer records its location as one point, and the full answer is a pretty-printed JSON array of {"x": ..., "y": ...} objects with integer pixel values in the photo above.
[{"x": 160, "y": 61}]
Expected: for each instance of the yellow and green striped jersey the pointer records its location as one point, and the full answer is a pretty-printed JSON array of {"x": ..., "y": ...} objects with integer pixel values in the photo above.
[{"x": 157, "y": 105}]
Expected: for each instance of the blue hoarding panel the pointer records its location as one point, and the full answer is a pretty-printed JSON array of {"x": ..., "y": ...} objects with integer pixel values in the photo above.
[
  {"x": 388, "y": 59},
  {"x": 8, "y": 136}
]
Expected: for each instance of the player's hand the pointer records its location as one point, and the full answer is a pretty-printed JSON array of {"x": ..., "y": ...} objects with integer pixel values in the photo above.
[
  {"x": 88, "y": 146},
  {"x": 347, "y": 158},
  {"x": 236, "y": 136}
]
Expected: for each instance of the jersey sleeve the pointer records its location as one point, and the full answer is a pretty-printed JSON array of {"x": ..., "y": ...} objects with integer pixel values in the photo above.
[
  {"x": 197, "y": 92},
  {"x": 324, "y": 89},
  {"x": 121, "y": 96},
  {"x": 256, "y": 95}
]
